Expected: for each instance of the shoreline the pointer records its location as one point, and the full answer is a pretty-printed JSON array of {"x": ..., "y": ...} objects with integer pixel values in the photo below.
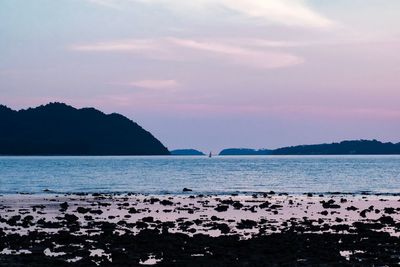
[
  {"x": 197, "y": 221},
  {"x": 49, "y": 192}
]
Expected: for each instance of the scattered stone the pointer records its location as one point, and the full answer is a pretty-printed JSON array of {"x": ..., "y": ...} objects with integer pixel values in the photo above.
[
  {"x": 166, "y": 202},
  {"x": 221, "y": 208},
  {"x": 70, "y": 218},
  {"x": 148, "y": 219},
  {"x": 264, "y": 205},
  {"x": 64, "y": 206},
  {"x": 132, "y": 210},
  {"x": 330, "y": 204},
  {"x": 363, "y": 213},
  {"x": 246, "y": 224},
  {"x": 389, "y": 210},
  {"x": 83, "y": 210}
]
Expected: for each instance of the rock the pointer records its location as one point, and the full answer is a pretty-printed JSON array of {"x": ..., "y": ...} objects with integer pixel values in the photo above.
[
  {"x": 154, "y": 200},
  {"x": 246, "y": 224},
  {"x": 82, "y": 210},
  {"x": 28, "y": 218},
  {"x": 363, "y": 213},
  {"x": 98, "y": 212},
  {"x": 132, "y": 210},
  {"x": 166, "y": 202},
  {"x": 227, "y": 201},
  {"x": 88, "y": 218},
  {"x": 340, "y": 227},
  {"x": 390, "y": 210},
  {"x": 237, "y": 205},
  {"x": 275, "y": 206},
  {"x": 253, "y": 209},
  {"x": 64, "y": 206},
  {"x": 330, "y": 204},
  {"x": 13, "y": 220},
  {"x": 264, "y": 205},
  {"x": 223, "y": 227},
  {"x": 141, "y": 225},
  {"x": 386, "y": 220},
  {"x": 70, "y": 218},
  {"x": 339, "y": 220},
  {"x": 148, "y": 219},
  {"x": 221, "y": 208}
]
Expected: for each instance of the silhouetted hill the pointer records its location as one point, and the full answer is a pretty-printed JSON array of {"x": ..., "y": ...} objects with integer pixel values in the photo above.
[
  {"x": 186, "y": 152},
  {"x": 59, "y": 129},
  {"x": 244, "y": 152},
  {"x": 358, "y": 147}
]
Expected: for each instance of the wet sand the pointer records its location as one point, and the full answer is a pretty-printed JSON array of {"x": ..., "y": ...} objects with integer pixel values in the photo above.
[{"x": 240, "y": 230}]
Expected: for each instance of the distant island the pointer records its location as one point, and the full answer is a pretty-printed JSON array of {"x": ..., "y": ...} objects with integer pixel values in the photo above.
[
  {"x": 244, "y": 152},
  {"x": 60, "y": 129},
  {"x": 186, "y": 152},
  {"x": 354, "y": 147}
]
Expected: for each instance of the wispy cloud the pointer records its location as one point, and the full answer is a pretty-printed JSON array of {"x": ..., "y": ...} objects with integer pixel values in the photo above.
[
  {"x": 180, "y": 49},
  {"x": 106, "y": 3},
  {"x": 155, "y": 84},
  {"x": 284, "y": 12},
  {"x": 126, "y": 45},
  {"x": 241, "y": 55}
]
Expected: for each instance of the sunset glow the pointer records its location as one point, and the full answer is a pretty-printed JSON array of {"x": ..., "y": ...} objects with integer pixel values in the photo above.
[{"x": 284, "y": 72}]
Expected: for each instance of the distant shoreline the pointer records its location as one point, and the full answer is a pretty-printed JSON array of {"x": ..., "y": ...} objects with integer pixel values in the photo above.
[
  {"x": 52, "y": 193},
  {"x": 185, "y": 156},
  {"x": 351, "y": 147}
]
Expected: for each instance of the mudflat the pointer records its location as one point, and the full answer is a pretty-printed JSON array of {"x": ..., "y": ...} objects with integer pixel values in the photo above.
[{"x": 236, "y": 230}]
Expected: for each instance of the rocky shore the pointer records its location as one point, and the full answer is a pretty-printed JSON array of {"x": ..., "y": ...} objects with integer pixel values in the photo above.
[{"x": 238, "y": 230}]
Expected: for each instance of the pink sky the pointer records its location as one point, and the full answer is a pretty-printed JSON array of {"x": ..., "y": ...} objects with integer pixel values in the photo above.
[{"x": 210, "y": 74}]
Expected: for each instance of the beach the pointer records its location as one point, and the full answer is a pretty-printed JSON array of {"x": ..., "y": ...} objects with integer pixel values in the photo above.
[{"x": 262, "y": 229}]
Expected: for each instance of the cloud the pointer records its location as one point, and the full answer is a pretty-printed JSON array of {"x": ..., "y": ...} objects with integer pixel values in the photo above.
[
  {"x": 127, "y": 45},
  {"x": 155, "y": 84},
  {"x": 241, "y": 55},
  {"x": 106, "y": 3},
  {"x": 283, "y": 12},
  {"x": 181, "y": 49}
]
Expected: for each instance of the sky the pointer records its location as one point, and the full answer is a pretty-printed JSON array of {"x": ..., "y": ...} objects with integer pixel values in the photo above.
[{"x": 212, "y": 74}]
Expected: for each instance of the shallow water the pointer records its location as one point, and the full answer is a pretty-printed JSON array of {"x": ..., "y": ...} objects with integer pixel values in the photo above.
[{"x": 219, "y": 175}]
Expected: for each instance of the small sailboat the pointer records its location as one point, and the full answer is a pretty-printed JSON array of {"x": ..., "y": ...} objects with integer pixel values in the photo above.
[{"x": 210, "y": 155}]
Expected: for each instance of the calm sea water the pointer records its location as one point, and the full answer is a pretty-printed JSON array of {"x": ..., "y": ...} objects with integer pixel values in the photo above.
[{"x": 159, "y": 175}]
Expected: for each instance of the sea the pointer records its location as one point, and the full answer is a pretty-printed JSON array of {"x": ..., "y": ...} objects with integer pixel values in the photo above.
[{"x": 203, "y": 175}]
